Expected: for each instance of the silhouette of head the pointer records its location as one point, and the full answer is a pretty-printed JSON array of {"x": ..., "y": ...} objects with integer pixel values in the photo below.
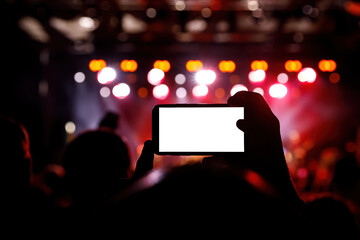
[
  {"x": 110, "y": 121},
  {"x": 94, "y": 163},
  {"x": 15, "y": 155}
]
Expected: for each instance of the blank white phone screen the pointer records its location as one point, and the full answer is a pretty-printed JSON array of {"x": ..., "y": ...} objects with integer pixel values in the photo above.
[{"x": 200, "y": 129}]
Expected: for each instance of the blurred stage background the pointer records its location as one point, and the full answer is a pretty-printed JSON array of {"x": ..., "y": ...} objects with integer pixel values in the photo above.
[{"x": 61, "y": 61}]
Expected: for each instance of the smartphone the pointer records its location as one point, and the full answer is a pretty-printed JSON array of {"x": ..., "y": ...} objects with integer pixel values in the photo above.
[{"x": 196, "y": 129}]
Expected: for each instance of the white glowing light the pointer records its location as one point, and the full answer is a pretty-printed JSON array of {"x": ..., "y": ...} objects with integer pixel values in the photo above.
[
  {"x": 181, "y": 92},
  {"x": 121, "y": 90},
  {"x": 106, "y": 75},
  {"x": 70, "y": 127},
  {"x": 87, "y": 23},
  {"x": 307, "y": 75},
  {"x": 200, "y": 91},
  {"x": 257, "y": 76},
  {"x": 253, "y": 5},
  {"x": 259, "y": 90},
  {"x": 79, "y": 77},
  {"x": 205, "y": 77},
  {"x": 105, "y": 92},
  {"x": 180, "y": 5},
  {"x": 155, "y": 76},
  {"x": 278, "y": 90},
  {"x": 180, "y": 78},
  {"x": 237, "y": 88},
  {"x": 161, "y": 91},
  {"x": 282, "y": 78},
  {"x": 196, "y": 25}
]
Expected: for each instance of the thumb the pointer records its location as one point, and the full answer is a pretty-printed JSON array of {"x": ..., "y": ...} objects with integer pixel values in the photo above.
[{"x": 242, "y": 125}]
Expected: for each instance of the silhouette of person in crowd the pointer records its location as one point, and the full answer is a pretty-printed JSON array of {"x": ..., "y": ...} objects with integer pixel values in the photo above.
[
  {"x": 15, "y": 174},
  {"x": 96, "y": 167},
  {"x": 110, "y": 121},
  {"x": 15, "y": 157},
  {"x": 247, "y": 195}
]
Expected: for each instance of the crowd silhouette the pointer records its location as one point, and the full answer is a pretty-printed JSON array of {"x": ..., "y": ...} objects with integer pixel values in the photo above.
[{"x": 246, "y": 195}]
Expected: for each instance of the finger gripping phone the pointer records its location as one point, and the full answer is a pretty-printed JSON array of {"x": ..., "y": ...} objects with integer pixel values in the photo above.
[{"x": 197, "y": 129}]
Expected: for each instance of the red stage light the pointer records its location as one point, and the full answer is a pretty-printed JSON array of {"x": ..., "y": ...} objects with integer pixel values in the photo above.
[
  {"x": 307, "y": 75},
  {"x": 155, "y": 76},
  {"x": 278, "y": 90},
  {"x": 161, "y": 91},
  {"x": 142, "y": 92},
  {"x": 257, "y": 76}
]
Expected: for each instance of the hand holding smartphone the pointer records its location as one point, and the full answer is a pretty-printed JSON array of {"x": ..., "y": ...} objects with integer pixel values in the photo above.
[{"x": 197, "y": 129}]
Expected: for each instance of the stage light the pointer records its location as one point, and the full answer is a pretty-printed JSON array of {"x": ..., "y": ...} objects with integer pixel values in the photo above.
[
  {"x": 302, "y": 172},
  {"x": 259, "y": 90},
  {"x": 237, "y": 88},
  {"x": 180, "y": 79},
  {"x": 181, "y": 92},
  {"x": 282, "y": 78},
  {"x": 334, "y": 77},
  {"x": 327, "y": 65},
  {"x": 106, "y": 75},
  {"x": 206, "y": 12},
  {"x": 70, "y": 127},
  {"x": 307, "y": 75},
  {"x": 180, "y": 5},
  {"x": 200, "y": 91},
  {"x": 128, "y": 65},
  {"x": 293, "y": 65},
  {"x": 121, "y": 90},
  {"x": 259, "y": 64},
  {"x": 155, "y": 76},
  {"x": 205, "y": 77},
  {"x": 96, "y": 65},
  {"x": 151, "y": 12},
  {"x": 227, "y": 66},
  {"x": 253, "y": 5},
  {"x": 161, "y": 91},
  {"x": 278, "y": 90},
  {"x": 219, "y": 93},
  {"x": 79, "y": 77},
  {"x": 142, "y": 92},
  {"x": 87, "y": 23},
  {"x": 257, "y": 76},
  {"x": 194, "y": 65},
  {"x": 105, "y": 92},
  {"x": 162, "y": 65}
]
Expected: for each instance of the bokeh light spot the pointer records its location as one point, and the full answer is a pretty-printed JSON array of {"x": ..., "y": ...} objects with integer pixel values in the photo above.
[{"x": 121, "y": 90}]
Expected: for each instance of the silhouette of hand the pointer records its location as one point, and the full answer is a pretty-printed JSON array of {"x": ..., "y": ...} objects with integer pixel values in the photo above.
[
  {"x": 263, "y": 145},
  {"x": 145, "y": 161}
]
